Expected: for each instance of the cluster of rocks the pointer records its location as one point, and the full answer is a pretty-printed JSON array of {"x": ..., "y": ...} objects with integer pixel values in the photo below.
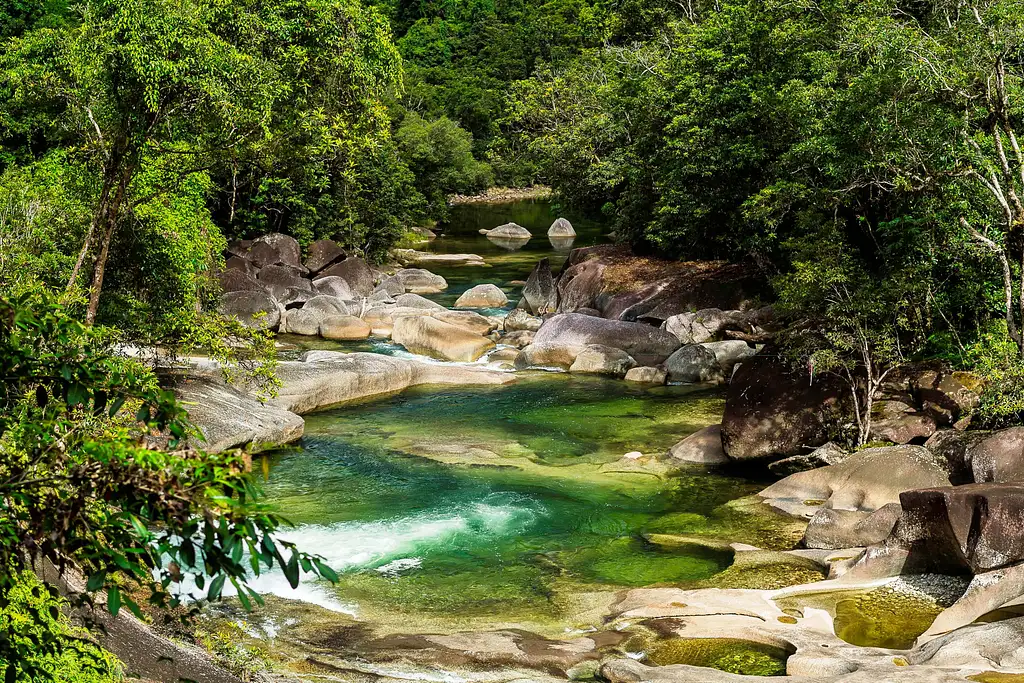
[{"x": 513, "y": 236}]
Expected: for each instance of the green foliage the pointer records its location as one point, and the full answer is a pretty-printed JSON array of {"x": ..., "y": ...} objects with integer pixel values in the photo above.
[
  {"x": 32, "y": 612},
  {"x": 227, "y": 642},
  {"x": 995, "y": 359},
  {"x": 79, "y": 487},
  {"x": 440, "y": 156}
]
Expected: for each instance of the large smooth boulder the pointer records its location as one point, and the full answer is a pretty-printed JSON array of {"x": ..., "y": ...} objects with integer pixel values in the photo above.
[
  {"x": 561, "y": 228},
  {"x": 299, "y": 321},
  {"x": 518, "y": 319},
  {"x": 279, "y": 279},
  {"x": 238, "y": 248},
  {"x": 773, "y": 410},
  {"x": 822, "y": 456},
  {"x": 548, "y": 355},
  {"x": 469, "y": 320},
  {"x": 705, "y": 325},
  {"x": 863, "y": 482},
  {"x": 335, "y": 286},
  {"x": 730, "y": 353},
  {"x": 999, "y": 458},
  {"x": 482, "y": 296},
  {"x": 419, "y": 281},
  {"x": 831, "y": 529},
  {"x": 261, "y": 255},
  {"x": 647, "y": 375},
  {"x": 355, "y": 272},
  {"x": 540, "y": 293},
  {"x": 325, "y": 378},
  {"x": 324, "y": 305},
  {"x": 286, "y": 248},
  {"x": 624, "y": 286},
  {"x": 602, "y": 360},
  {"x": 252, "y": 309},
  {"x": 241, "y": 263},
  {"x": 416, "y": 301},
  {"x": 510, "y": 231},
  {"x": 235, "y": 280},
  {"x": 694, "y": 364},
  {"x": 229, "y": 419},
  {"x": 344, "y": 328},
  {"x": 646, "y": 344},
  {"x": 429, "y": 336},
  {"x": 322, "y": 254},
  {"x": 703, "y": 447}
]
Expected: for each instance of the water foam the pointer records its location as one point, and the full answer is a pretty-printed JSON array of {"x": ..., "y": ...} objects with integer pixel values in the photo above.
[{"x": 397, "y": 545}]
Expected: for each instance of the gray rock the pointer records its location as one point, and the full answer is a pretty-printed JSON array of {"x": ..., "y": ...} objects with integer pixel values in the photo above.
[
  {"x": 647, "y": 375},
  {"x": 518, "y": 319},
  {"x": 324, "y": 305},
  {"x": 730, "y": 353},
  {"x": 694, "y": 364},
  {"x": 416, "y": 301},
  {"x": 510, "y": 231},
  {"x": 540, "y": 292},
  {"x": 300, "y": 321},
  {"x": 293, "y": 297},
  {"x": 281, "y": 278},
  {"x": 355, "y": 272},
  {"x": 823, "y": 456},
  {"x": 420, "y": 281},
  {"x": 392, "y": 286},
  {"x": 234, "y": 280},
  {"x": 702, "y": 447},
  {"x": 286, "y": 248},
  {"x": 561, "y": 228},
  {"x": 252, "y": 309},
  {"x": 322, "y": 254},
  {"x": 833, "y": 529},
  {"x": 335, "y": 286},
  {"x": 242, "y": 264},
  {"x": 646, "y": 344},
  {"x": 602, "y": 360}
]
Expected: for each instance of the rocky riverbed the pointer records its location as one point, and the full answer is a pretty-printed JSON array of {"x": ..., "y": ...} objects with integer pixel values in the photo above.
[{"x": 532, "y": 464}]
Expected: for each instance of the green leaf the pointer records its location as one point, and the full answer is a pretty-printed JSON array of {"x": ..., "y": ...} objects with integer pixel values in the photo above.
[
  {"x": 326, "y": 571},
  {"x": 77, "y": 394},
  {"x": 216, "y": 587},
  {"x": 113, "y": 601},
  {"x": 291, "y": 570},
  {"x": 96, "y": 581}
]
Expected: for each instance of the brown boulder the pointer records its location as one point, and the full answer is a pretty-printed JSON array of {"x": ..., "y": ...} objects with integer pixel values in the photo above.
[
  {"x": 702, "y": 447},
  {"x": 343, "y": 327},
  {"x": 540, "y": 293},
  {"x": 774, "y": 411},
  {"x": 285, "y": 248},
  {"x": 999, "y": 458}
]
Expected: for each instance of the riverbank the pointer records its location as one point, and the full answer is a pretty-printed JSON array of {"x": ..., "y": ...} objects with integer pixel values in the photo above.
[{"x": 502, "y": 195}]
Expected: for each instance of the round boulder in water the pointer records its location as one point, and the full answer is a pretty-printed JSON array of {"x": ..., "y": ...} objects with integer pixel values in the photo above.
[
  {"x": 482, "y": 296},
  {"x": 561, "y": 228}
]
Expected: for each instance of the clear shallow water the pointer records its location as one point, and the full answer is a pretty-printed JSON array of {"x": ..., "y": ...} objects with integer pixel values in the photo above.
[
  {"x": 524, "y": 513},
  {"x": 498, "y": 503},
  {"x": 460, "y": 234}
]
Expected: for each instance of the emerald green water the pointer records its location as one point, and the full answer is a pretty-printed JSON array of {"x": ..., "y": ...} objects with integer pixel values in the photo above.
[{"x": 498, "y": 501}]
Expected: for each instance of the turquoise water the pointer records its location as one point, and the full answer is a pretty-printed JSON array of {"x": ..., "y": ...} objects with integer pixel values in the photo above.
[{"x": 492, "y": 501}]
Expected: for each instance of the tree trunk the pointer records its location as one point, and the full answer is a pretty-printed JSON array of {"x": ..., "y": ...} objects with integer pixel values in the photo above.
[{"x": 106, "y": 224}]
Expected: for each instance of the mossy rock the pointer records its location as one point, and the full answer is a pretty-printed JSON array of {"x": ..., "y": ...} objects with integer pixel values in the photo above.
[{"x": 725, "y": 654}]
